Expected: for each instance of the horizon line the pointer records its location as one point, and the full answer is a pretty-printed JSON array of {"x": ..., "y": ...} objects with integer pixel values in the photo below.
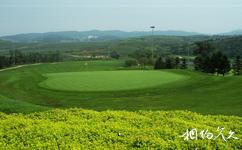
[{"x": 129, "y": 31}]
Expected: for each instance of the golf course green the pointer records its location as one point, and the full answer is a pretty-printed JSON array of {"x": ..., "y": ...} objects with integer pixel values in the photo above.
[{"x": 108, "y": 80}]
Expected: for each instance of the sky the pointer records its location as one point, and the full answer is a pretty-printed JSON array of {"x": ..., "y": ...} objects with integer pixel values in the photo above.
[{"x": 204, "y": 16}]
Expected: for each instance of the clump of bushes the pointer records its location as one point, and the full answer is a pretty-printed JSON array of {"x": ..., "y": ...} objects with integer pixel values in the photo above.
[
  {"x": 210, "y": 60},
  {"x": 86, "y": 129},
  {"x": 130, "y": 63},
  {"x": 170, "y": 63}
]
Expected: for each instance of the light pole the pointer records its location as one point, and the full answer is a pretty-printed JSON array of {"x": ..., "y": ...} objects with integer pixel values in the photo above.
[{"x": 152, "y": 30}]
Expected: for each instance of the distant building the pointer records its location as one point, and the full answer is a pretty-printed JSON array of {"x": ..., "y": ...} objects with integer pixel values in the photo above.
[{"x": 95, "y": 57}]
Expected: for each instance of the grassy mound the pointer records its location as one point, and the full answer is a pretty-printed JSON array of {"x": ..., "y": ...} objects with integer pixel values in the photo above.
[
  {"x": 82, "y": 129},
  {"x": 108, "y": 80}
]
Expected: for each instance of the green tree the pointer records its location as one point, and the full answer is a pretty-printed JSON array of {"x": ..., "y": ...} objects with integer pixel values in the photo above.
[
  {"x": 4, "y": 62},
  {"x": 203, "y": 50},
  {"x": 168, "y": 63},
  {"x": 184, "y": 64},
  {"x": 115, "y": 55},
  {"x": 143, "y": 56},
  {"x": 130, "y": 63},
  {"x": 237, "y": 66},
  {"x": 224, "y": 65},
  {"x": 214, "y": 62},
  {"x": 12, "y": 58},
  {"x": 217, "y": 62},
  {"x": 177, "y": 62},
  {"x": 198, "y": 63},
  {"x": 159, "y": 63}
]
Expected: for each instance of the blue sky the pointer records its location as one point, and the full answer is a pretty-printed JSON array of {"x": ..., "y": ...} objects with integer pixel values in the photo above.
[{"x": 206, "y": 16}]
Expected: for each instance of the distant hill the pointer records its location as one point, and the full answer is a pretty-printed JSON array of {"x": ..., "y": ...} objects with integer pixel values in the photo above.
[
  {"x": 84, "y": 36},
  {"x": 232, "y": 33},
  {"x": 3, "y": 41},
  {"x": 231, "y": 45}
]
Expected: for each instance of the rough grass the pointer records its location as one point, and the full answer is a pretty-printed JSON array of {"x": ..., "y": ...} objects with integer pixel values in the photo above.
[
  {"x": 108, "y": 80},
  {"x": 15, "y": 106},
  {"x": 86, "y": 129}
]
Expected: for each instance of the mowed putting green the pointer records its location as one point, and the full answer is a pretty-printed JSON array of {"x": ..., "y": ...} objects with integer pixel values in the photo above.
[{"x": 108, "y": 80}]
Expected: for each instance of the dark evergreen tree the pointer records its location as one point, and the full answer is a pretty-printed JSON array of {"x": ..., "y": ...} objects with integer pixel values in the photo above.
[
  {"x": 198, "y": 63},
  {"x": 224, "y": 65},
  {"x": 115, "y": 55},
  {"x": 237, "y": 66},
  {"x": 213, "y": 62},
  {"x": 168, "y": 63},
  {"x": 12, "y": 58},
  {"x": 184, "y": 64},
  {"x": 203, "y": 51},
  {"x": 204, "y": 48},
  {"x": 130, "y": 63},
  {"x": 159, "y": 64},
  {"x": 177, "y": 62},
  {"x": 204, "y": 64},
  {"x": 17, "y": 57},
  {"x": 216, "y": 62},
  {"x": 2, "y": 61}
]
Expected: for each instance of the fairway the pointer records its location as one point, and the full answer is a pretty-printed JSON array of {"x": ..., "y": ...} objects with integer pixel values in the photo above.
[{"x": 108, "y": 80}]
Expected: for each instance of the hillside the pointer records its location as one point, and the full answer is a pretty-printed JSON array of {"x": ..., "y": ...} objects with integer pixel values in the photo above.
[
  {"x": 125, "y": 46},
  {"x": 98, "y": 35},
  {"x": 191, "y": 90},
  {"x": 232, "y": 33},
  {"x": 179, "y": 45},
  {"x": 87, "y": 129},
  {"x": 231, "y": 46},
  {"x": 84, "y": 36}
]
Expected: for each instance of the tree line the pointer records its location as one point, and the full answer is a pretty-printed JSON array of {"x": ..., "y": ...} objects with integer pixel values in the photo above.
[
  {"x": 207, "y": 59},
  {"x": 210, "y": 60},
  {"x": 143, "y": 57},
  {"x": 170, "y": 63},
  {"x": 16, "y": 57}
]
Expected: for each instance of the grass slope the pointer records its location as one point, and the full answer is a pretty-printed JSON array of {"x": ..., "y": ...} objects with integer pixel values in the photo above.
[
  {"x": 108, "y": 80},
  {"x": 85, "y": 129},
  {"x": 15, "y": 106},
  {"x": 198, "y": 92}
]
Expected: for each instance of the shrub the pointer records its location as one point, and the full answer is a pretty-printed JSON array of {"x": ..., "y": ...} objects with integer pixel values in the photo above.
[
  {"x": 86, "y": 129},
  {"x": 130, "y": 62}
]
